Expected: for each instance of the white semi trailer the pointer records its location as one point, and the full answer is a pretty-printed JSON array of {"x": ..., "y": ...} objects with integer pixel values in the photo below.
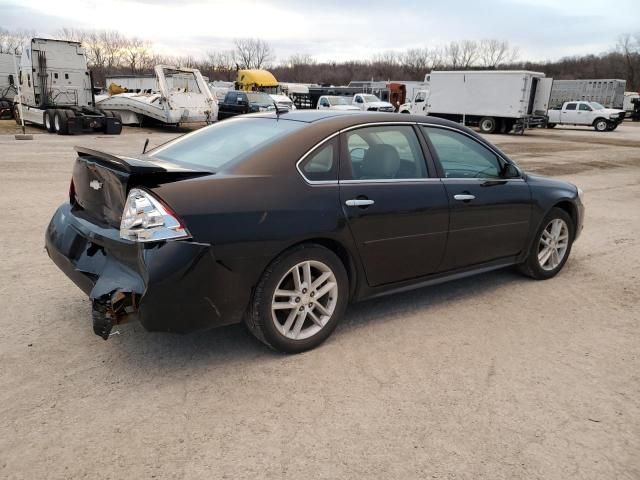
[
  {"x": 7, "y": 85},
  {"x": 608, "y": 92},
  {"x": 56, "y": 89},
  {"x": 493, "y": 100}
]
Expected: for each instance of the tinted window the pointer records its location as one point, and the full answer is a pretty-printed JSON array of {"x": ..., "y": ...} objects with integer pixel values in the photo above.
[
  {"x": 461, "y": 156},
  {"x": 585, "y": 107},
  {"x": 384, "y": 153},
  {"x": 322, "y": 163},
  {"x": 214, "y": 146},
  {"x": 571, "y": 106},
  {"x": 230, "y": 97}
]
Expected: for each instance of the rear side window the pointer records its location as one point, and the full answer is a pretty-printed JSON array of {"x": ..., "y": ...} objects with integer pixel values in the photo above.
[
  {"x": 322, "y": 163},
  {"x": 385, "y": 153},
  {"x": 217, "y": 145},
  {"x": 571, "y": 106}
]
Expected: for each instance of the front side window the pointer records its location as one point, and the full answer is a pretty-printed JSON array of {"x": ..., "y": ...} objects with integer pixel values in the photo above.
[
  {"x": 385, "y": 153},
  {"x": 420, "y": 97},
  {"x": 584, "y": 107},
  {"x": 321, "y": 164},
  {"x": 461, "y": 156},
  {"x": 219, "y": 144}
]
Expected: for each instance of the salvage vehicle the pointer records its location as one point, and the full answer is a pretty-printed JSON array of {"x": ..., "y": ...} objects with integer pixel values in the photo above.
[
  {"x": 281, "y": 220},
  {"x": 495, "y": 101},
  {"x": 586, "y": 113},
  {"x": 180, "y": 96},
  {"x": 371, "y": 103},
  {"x": 238, "y": 102},
  {"x": 56, "y": 90},
  {"x": 335, "y": 102}
]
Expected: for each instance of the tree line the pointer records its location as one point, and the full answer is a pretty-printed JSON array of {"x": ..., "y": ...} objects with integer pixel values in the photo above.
[{"x": 111, "y": 52}]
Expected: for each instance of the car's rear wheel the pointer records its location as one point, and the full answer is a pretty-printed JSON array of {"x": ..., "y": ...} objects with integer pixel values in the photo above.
[
  {"x": 300, "y": 299},
  {"x": 551, "y": 246}
]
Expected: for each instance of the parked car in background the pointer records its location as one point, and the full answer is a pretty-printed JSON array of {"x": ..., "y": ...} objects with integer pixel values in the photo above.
[
  {"x": 282, "y": 101},
  {"x": 371, "y": 103},
  {"x": 586, "y": 113},
  {"x": 254, "y": 219},
  {"x": 238, "y": 102},
  {"x": 335, "y": 102}
]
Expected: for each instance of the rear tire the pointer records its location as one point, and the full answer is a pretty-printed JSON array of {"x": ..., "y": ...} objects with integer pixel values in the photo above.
[
  {"x": 488, "y": 125},
  {"x": 60, "y": 123},
  {"x": 550, "y": 248},
  {"x": 551, "y": 125},
  {"x": 47, "y": 120},
  {"x": 291, "y": 312}
]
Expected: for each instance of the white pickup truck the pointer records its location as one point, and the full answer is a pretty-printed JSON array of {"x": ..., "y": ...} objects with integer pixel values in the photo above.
[
  {"x": 371, "y": 103},
  {"x": 335, "y": 102},
  {"x": 586, "y": 113}
]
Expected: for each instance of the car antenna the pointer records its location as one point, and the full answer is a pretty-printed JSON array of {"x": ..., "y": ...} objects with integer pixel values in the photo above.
[
  {"x": 277, "y": 111},
  {"x": 146, "y": 144}
]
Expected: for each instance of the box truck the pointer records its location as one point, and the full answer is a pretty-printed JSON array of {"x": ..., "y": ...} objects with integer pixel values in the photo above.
[
  {"x": 608, "y": 92},
  {"x": 493, "y": 100},
  {"x": 56, "y": 89}
]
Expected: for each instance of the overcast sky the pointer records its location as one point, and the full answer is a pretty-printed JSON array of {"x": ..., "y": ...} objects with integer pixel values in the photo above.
[{"x": 341, "y": 29}]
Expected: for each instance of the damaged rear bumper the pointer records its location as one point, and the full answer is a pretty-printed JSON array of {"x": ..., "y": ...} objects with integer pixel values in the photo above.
[{"x": 169, "y": 286}]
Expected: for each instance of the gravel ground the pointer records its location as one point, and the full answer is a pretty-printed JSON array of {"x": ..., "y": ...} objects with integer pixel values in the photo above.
[{"x": 492, "y": 377}]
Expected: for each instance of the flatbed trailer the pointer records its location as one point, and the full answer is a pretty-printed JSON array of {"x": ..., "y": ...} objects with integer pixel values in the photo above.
[{"x": 56, "y": 90}]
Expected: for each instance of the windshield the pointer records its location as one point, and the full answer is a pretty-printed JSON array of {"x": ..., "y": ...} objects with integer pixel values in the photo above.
[
  {"x": 259, "y": 97},
  {"x": 215, "y": 146},
  {"x": 338, "y": 101},
  {"x": 370, "y": 98},
  {"x": 596, "y": 106}
]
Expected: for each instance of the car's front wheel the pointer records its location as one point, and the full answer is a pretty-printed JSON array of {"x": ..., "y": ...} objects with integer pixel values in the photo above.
[
  {"x": 300, "y": 299},
  {"x": 551, "y": 246}
]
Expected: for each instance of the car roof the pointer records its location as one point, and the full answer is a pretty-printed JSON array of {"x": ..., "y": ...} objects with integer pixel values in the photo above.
[{"x": 340, "y": 119}]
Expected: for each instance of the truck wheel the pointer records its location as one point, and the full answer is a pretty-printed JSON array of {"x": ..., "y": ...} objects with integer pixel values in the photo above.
[
  {"x": 47, "y": 120},
  {"x": 405, "y": 111},
  {"x": 60, "y": 123},
  {"x": 600, "y": 125},
  {"x": 551, "y": 125},
  {"x": 488, "y": 124}
]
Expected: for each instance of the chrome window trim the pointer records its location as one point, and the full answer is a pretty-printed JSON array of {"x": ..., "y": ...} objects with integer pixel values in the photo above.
[{"x": 402, "y": 180}]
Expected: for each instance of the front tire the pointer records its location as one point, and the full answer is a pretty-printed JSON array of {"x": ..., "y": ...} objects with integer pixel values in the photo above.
[
  {"x": 551, "y": 125},
  {"x": 551, "y": 246},
  {"x": 601, "y": 125},
  {"x": 300, "y": 299}
]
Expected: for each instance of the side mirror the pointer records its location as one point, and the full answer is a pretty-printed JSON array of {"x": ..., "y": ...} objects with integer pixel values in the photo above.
[{"x": 11, "y": 81}]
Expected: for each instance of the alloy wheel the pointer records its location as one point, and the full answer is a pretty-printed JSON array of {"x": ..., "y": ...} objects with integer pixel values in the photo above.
[
  {"x": 305, "y": 300},
  {"x": 553, "y": 245}
]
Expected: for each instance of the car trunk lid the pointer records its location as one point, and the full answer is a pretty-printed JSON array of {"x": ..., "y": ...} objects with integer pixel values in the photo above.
[{"x": 101, "y": 182}]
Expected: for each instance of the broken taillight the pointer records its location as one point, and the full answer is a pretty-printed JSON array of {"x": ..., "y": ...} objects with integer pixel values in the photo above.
[{"x": 147, "y": 219}]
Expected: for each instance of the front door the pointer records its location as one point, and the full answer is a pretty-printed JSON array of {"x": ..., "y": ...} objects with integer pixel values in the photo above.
[
  {"x": 397, "y": 214},
  {"x": 490, "y": 206}
]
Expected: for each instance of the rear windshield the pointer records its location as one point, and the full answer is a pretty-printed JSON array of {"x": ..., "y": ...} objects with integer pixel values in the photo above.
[
  {"x": 257, "y": 97},
  {"x": 217, "y": 145}
]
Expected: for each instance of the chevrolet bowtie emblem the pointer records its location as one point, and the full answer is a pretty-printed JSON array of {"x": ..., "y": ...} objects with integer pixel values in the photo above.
[{"x": 95, "y": 184}]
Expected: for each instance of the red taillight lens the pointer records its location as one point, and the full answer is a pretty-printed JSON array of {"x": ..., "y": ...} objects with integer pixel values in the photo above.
[{"x": 72, "y": 193}]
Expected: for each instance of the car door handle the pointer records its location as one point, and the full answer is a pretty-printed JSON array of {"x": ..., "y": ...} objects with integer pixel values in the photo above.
[
  {"x": 357, "y": 202},
  {"x": 464, "y": 197}
]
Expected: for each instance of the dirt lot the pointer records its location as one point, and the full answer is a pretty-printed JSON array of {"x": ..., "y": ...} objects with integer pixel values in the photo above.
[{"x": 493, "y": 377}]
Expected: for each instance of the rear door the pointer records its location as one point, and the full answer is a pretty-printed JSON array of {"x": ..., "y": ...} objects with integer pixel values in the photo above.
[
  {"x": 398, "y": 214},
  {"x": 490, "y": 207},
  {"x": 543, "y": 92}
]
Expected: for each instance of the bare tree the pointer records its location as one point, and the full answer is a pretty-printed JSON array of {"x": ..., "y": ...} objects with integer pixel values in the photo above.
[
  {"x": 12, "y": 41},
  {"x": 468, "y": 53},
  {"x": 252, "y": 53},
  {"x": 453, "y": 55},
  {"x": 494, "y": 52},
  {"x": 629, "y": 47},
  {"x": 113, "y": 43},
  {"x": 136, "y": 54}
]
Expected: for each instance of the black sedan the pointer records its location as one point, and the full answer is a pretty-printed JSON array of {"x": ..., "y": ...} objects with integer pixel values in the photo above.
[{"x": 281, "y": 220}]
